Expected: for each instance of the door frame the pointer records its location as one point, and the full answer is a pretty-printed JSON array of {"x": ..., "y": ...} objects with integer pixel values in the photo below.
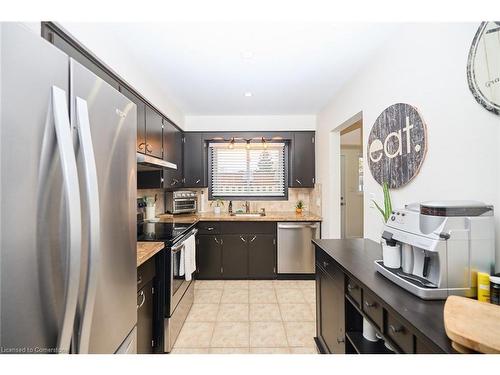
[{"x": 335, "y": 226}]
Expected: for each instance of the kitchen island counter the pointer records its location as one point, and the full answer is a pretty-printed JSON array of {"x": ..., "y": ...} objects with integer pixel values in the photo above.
[{"x": 355, "y": 258}]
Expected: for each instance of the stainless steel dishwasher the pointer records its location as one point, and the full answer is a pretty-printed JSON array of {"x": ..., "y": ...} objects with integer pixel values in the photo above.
[{"x": 295, "y": 250}]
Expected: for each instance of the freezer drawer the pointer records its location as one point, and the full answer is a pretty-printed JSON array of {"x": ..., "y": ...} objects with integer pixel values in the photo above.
[{"x": 295, "y": 250}]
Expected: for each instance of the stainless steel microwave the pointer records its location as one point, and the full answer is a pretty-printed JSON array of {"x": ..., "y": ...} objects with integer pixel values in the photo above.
[{"x": 180, "y": 202}]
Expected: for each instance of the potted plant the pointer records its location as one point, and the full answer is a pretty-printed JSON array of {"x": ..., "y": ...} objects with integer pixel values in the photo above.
[
  {"x": 217, "y": 205},
  {"x": 391, "y": 251},
  {"x": 299, "y": 207}
]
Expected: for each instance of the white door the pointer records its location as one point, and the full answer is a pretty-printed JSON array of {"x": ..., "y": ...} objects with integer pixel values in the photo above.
[{"x": 342, "y": 196}]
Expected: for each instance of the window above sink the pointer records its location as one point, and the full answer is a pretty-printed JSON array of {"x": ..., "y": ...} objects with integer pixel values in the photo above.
[{"x": 248, "y": 171}]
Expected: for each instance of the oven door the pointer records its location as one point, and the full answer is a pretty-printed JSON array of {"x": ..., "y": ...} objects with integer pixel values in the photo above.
[
  {"x": 178, "y": 283},
  {"x": 184, "y": 205}
]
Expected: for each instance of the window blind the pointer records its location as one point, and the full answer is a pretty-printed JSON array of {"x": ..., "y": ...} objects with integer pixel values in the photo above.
[{"x": 258, "y": 171}]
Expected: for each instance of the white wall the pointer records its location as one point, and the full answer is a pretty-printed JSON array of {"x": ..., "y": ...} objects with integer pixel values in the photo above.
[
  {"x": 249, "y": 123},
  {"x": 423, "y": 65},
  {"x": 125, "y": 67}
]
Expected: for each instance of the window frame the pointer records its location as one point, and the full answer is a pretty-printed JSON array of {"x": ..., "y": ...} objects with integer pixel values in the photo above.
[{"x": 252, "y": 197}]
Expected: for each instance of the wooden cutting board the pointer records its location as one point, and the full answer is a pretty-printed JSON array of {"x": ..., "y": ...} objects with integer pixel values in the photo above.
[{"x": 472, "y": 325}]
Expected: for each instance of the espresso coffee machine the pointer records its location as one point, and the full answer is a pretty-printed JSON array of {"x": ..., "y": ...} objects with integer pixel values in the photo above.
[{"x": 444, "y": 245}]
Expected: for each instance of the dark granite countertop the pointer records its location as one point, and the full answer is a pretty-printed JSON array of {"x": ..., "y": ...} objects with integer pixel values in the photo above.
[{"x": 356, "y": 257}]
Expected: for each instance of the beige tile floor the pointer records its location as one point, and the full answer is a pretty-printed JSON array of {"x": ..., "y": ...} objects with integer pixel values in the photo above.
[{"x": 250, "y": 316}]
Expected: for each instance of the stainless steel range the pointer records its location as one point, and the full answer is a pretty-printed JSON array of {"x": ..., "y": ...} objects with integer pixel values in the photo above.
[{"x": 176, "y": 291}]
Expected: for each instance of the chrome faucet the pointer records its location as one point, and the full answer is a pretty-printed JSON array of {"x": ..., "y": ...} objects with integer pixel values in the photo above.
[{"x": 247, "y": 207}]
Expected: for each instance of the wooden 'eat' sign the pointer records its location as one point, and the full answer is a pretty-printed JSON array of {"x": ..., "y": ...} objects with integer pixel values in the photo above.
[{"x": 397, "y": 145}]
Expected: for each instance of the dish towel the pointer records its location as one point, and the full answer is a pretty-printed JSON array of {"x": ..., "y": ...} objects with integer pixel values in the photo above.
[
  {"x": 181, "y": 263},
  {"x": 189, "y": 257}
]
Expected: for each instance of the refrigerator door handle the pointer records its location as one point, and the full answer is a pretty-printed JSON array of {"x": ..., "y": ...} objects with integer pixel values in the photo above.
[
  {"x": 92, "y": 191},
  {"x": 58, "y": 135}
]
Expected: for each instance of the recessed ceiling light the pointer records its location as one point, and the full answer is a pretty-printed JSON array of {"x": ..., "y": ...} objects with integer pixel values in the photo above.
[
  {"x": 247, "y": 55},
  {"x": 248, "y": 94}
]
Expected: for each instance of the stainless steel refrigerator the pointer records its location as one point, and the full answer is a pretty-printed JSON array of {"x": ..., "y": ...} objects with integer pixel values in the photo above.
[{"x": 68, "y": 196}]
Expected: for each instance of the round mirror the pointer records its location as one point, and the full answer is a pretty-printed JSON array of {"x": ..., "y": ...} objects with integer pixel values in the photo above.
[{"x": 483, "y": 67}]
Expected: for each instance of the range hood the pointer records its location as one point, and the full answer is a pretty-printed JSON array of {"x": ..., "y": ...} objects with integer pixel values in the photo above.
[{"x": 150, "y": 163}]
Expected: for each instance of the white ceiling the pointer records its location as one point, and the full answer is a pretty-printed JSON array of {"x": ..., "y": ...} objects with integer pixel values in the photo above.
[{"x": 206, "y": 68}]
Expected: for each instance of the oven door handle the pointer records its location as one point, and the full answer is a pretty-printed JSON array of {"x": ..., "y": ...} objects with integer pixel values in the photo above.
[{"x": 178, "y": 248}]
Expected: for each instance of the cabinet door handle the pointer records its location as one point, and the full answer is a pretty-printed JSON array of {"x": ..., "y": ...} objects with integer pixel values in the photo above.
[
  {"x": 325, "y": 264},
  {"x": 253, "y": 239},
  {"x": 241, "y": 238},
  {"x": 216, "y": 240},
  {"x": 143, "y": 299},
  {"x": 197, "y": 181},
  {"x": 396, "y": 329},
  {"x": 340, "y": 340},
  {"x": 370, "y": 304},
  {"x": 298, "y": 181},
  {"x": 210, "y": 228}
]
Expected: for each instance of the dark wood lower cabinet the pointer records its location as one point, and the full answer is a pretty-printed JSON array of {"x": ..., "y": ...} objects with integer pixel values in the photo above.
[
  {"x": 146, "y": 306},
  {"x": 234, "y": 256},
  {"x": 330, "y": 309},
  {"x": 234, "y": 253},
  {"x": 145, "y": 316},
  {"x": 350, "y": 292},
  {"x": 209, "y": 256},
  {"x": 261, "y": 256}
]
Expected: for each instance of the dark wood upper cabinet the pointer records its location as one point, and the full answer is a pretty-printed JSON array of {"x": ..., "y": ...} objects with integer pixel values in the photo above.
[
  {"x": 154, "y": 133},
  {"x": 209, "y": 256},
  {"x": 302, "y": 161},
  {"x": 195, "y": 160},
  {"x": 172, "y": 152},
  {"x": 141, "y": 118},
  {"x": 234, "y": 256},
  {"x": 261, "y": 256}
]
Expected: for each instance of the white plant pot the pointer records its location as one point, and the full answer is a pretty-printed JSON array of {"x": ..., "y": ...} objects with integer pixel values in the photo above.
[
  {"x": 217, "y": 210},
  {"x": 391, "y": 255}
]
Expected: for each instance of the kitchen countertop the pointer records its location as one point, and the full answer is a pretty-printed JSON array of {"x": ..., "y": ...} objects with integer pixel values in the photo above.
[
  {"x": 146, "y": 250},
  {"x": 210, "y": 216},
  {"x": 356, "y": 258}
]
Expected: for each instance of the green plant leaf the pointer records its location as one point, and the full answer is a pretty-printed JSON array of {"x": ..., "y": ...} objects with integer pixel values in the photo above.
[
  {"x": 379, "y": 208},
  {"x": 387, "y": 201}
]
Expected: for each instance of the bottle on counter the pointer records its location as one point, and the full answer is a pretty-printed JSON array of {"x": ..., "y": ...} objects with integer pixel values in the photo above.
[
  {"x": 483, "y": 287},
  {"x": 495, "y": 289},
  {"x": 230, "y": 207}
]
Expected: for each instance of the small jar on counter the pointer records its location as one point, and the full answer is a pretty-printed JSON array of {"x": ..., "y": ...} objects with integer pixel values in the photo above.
[{"x": 495, "y": 289}]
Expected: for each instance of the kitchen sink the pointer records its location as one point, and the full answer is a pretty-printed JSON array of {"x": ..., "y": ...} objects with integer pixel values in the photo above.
[{"x": 247, "y": 214}]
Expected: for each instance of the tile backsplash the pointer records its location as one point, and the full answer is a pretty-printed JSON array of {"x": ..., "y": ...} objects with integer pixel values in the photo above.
[
  {"x": 311, "y": 198},
  {"x": 160, "y": 196}
]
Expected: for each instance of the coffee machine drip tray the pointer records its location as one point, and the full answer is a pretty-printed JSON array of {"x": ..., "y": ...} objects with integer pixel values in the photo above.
[{"x": 419, "y": 286}]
